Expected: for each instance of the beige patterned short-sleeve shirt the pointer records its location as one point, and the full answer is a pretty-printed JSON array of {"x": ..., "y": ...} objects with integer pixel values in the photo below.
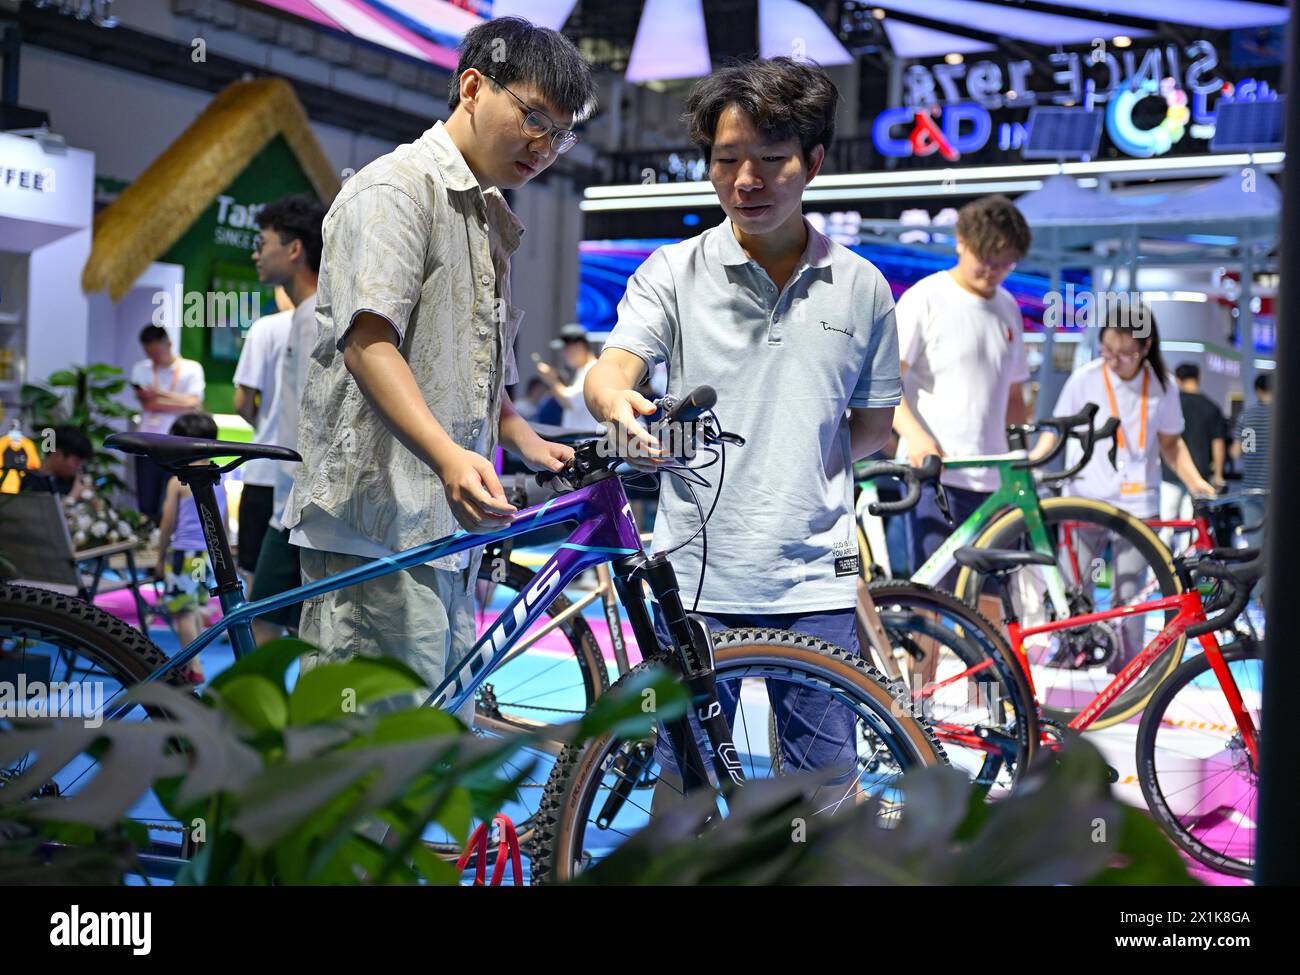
[{"x": 412, "y": 238}]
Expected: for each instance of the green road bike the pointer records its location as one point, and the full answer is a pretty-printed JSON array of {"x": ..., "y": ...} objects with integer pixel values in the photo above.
[{"x": 1087, "y": 539}]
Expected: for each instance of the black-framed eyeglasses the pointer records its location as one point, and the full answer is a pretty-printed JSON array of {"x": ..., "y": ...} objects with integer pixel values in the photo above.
[{"x": 536, "y": 124}]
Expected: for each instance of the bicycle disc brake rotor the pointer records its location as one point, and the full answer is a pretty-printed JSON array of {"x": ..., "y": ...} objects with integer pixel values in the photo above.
[{"x": 1240, "y": 757}]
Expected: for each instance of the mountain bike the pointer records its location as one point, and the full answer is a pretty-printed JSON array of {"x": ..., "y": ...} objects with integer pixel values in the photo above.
[
  {"x": 1016, "y": 517},
  {"x": 51, "y": 637},
  {"x": 602, "y": 791}
]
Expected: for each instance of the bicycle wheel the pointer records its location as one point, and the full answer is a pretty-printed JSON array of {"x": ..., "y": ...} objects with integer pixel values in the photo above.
[
  {"x": 1070, "y": 668},
  {"x": 1197, "y": 776},
  {"x": 49, "y": 639},
  {"x": 554, "y": 677},
  {"x": 582, "y": 818},
  {"x": 964, "y": 679}
]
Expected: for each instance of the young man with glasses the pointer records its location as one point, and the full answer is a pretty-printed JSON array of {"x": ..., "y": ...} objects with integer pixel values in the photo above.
[
  {"x": 286, "y": 254},
  {"x": 962, "y": 349},
  {"x": 404, "y": 398}
]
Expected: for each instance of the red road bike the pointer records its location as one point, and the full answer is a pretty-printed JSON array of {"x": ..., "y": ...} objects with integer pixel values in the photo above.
[{"x": 1198, "y": 741}]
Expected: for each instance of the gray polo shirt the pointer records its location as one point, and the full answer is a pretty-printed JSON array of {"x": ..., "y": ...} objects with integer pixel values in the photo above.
[{"x": 787, "y": 367}]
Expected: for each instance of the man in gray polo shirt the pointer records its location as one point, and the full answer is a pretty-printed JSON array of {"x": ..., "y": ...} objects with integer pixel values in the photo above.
[{"x": 796, "y": 334}]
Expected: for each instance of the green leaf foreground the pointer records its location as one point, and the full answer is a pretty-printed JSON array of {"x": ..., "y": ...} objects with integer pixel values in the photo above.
[
  {"x": 290, "y": 784},
  {"x": 291, "y": 788}
]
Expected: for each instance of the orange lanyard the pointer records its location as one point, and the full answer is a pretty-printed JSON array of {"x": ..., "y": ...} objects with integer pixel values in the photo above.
[
  {"x": 176, "y": 374},
  {"x": 1114, "y": 410}
]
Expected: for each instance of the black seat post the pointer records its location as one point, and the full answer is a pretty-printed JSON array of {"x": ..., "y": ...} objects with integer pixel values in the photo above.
[
  {"x": 1003, "y": 581},
  {"x": 203, "y": 481}
]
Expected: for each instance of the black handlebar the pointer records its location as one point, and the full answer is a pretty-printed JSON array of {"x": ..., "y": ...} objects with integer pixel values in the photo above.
[
  {"x": 1237, "y": 581},
  {"x": 1079, "y": 427},
  {"x": 598, "y": 455},
  {"x": 913, "y": 477},
  {"x": 692, "y": 406}
]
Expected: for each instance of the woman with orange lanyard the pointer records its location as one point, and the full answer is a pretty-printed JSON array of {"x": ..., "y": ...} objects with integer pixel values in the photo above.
[{"x": 1130, "y": 382}]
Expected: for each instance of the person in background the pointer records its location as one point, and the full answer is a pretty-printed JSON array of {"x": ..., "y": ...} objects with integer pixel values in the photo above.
[
  {"x": 1250, "y": 447},
  {"x": 1128, "y": 381},
  {"x": 61, "y": 467},
  {"x": 961, "y": 343},
  {"x": 288, "y": 253},
  {"x": 256, "y": 400},
  {"x": 182, "y": 551},
  {"x": 1204, "y": 432},
  {"x": 538, "y": 406},
  {"x": 580, "y": 359},
  {"x": 165, "y": 385}
]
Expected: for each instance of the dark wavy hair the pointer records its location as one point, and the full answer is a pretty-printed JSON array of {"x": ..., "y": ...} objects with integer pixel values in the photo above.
[
  {"x": 73, "y": 442},
  {"x": 511, "y": 49},
  {"x": 296, "y": 217},
  {"x": 992, "y": 224},
  {"x": 785, "y": 98}
]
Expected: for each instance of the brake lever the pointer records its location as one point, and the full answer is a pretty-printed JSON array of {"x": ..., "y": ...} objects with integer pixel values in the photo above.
[
  {"x": 556, "y": 480},
  {"x": 1018, "y": 436},
  {"x": 941, "y": 499}
]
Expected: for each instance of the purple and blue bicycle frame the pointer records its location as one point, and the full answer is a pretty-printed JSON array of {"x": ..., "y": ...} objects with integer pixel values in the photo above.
[{"x": 606, "y": 531}]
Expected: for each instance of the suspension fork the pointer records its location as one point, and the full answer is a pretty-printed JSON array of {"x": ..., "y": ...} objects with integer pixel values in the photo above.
[
  {"x": 693, "y": 650},
  {"x": 628, "y": 573}
]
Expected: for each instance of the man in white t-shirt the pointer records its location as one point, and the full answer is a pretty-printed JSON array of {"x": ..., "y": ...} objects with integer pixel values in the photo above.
[
  {"x": 165, "y": 386},
  {"x": 577, "y": 353},
  {"x": 257, "y": 392},
  {"x": 288, "y": 254},
  {"x": 962, "y": 348}
]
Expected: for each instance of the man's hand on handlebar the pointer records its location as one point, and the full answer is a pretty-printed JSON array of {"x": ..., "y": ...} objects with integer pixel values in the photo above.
[
  {"x": 633, "y": 441},
  {"x": 920, "y": 448},
  {"x": 544, "y": 455}
]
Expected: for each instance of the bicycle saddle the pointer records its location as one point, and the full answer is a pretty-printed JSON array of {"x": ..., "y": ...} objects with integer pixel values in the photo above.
[
  {"x": 168, "y": 451},
  {"x": 989, "y": 560}
]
